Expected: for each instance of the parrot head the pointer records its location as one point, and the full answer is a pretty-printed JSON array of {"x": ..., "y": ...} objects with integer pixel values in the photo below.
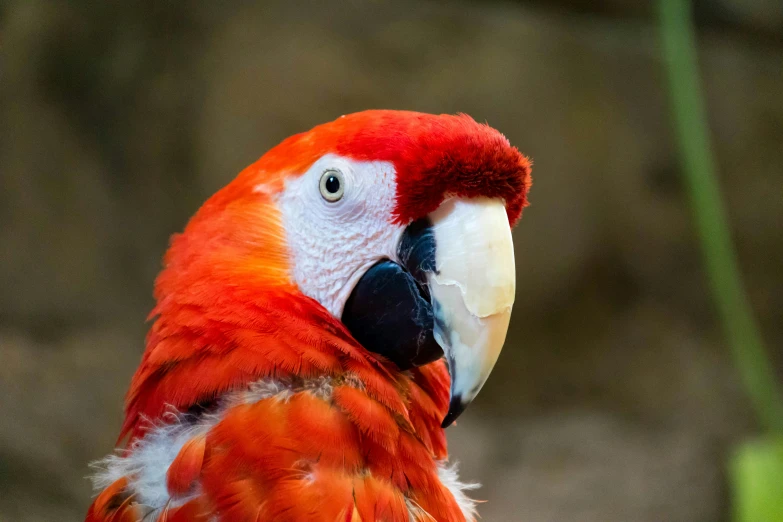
[{"x": 395, "y": 225}]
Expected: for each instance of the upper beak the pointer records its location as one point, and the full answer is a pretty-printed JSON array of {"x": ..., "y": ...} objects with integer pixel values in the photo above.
[{"x": 472, "y": 290}]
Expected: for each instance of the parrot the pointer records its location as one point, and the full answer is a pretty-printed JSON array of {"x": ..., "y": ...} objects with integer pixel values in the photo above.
[{"x": 318, "y": 324}]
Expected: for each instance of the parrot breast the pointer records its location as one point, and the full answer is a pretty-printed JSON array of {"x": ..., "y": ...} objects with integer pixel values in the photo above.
[{"x": 293, "y": 450}]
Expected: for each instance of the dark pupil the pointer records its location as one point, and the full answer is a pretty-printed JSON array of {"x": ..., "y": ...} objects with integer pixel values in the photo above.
[{"x": 332, "y": 184}]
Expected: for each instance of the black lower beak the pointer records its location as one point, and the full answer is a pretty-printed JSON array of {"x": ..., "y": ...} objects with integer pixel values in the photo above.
[
  {"x": 388, "y": 315},
  {"x": 389, "y": 311},
  {"x": 456, "y": 407}
]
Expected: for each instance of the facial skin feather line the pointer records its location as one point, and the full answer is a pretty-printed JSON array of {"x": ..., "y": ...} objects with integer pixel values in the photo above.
[
  {"x": 317, "y": 234},
  {"x": 295, "y": 367}
]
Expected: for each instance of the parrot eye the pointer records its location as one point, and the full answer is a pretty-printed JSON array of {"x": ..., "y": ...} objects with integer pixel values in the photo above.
[{"x": 332, "y": 185}]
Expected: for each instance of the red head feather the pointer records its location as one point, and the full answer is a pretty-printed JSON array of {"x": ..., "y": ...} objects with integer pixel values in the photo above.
[{"x": 434, "y": 156}]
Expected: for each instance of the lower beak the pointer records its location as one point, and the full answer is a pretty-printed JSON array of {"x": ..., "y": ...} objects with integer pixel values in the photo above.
[{"x": 472, "y": 290}]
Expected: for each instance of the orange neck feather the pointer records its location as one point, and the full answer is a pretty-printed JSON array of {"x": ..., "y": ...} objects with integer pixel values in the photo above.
[{"x": 228, "y": 314}]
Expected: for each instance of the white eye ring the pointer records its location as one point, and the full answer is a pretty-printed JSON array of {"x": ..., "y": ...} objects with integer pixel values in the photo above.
[{"x": 332, "y": 185}]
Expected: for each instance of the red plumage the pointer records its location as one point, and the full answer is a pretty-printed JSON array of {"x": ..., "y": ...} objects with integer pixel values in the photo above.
[
  {"x": 228, "y": 315},
  {"x": 185, "y": 469}
]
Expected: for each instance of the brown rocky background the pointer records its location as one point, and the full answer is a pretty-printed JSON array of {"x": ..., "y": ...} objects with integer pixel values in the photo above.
[{"x": 615, "y": 398}]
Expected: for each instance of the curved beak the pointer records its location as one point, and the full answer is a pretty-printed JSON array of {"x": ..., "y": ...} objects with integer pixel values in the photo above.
[
  {"x": 472, "y": 290},
  {"x": 449, "y": 292}
]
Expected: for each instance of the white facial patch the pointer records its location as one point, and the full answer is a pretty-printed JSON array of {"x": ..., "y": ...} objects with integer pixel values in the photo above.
[{"x": 333, "y": 243}]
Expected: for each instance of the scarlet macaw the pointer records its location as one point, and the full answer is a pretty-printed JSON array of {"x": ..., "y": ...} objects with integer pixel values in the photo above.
[{"x": 318, "y": 324}]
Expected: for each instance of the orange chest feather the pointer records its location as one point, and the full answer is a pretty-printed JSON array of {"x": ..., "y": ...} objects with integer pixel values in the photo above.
[
  {"x": 345, "y": 436},
  {"x": 321, "y": 450},
  {"x": 330, "y": 453}
]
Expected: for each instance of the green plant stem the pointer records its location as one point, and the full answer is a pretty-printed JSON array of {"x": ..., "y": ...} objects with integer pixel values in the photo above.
[{"x": 720, "y": 260}]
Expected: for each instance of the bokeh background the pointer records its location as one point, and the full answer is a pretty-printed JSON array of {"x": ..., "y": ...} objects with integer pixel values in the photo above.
[{"x": 615, "y": 399}]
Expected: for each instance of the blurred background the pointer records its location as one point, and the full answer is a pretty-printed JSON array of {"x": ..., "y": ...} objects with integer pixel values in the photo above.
[{"x": 616, "y": 397}]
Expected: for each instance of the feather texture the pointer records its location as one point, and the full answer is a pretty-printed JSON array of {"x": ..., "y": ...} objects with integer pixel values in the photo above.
[
  {"x": 284, "y": 451},
  {"x": 252, "y": 402}
]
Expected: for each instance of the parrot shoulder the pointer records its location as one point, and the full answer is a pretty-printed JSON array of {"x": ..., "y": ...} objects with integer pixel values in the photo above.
[{"x": 322, "y": 449}]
